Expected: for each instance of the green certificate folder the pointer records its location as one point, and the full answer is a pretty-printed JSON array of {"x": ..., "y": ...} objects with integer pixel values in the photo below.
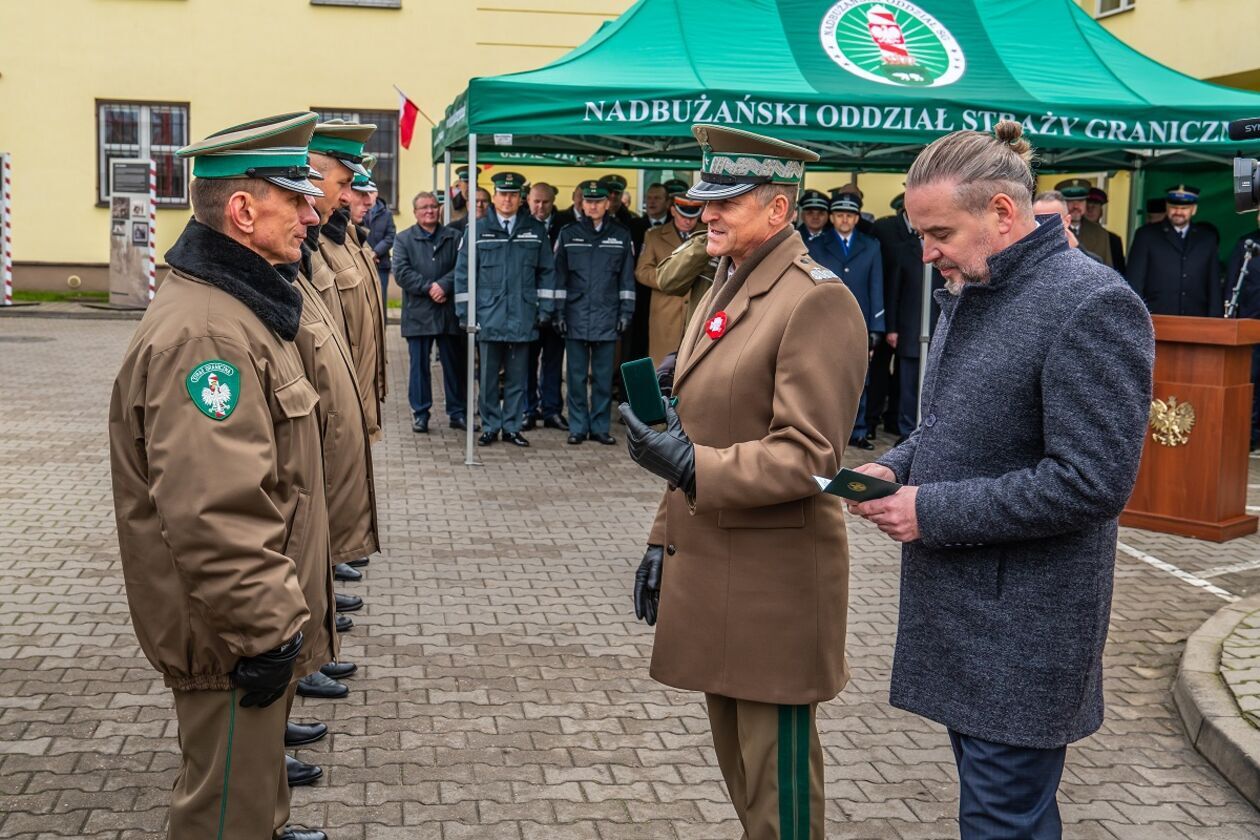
[
  {"x": 643, "y": 391},
  {"x": 856, "y": 486}
]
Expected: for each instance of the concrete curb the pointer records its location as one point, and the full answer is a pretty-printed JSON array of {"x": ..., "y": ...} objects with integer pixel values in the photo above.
[{"x": 1214, "y": 723}]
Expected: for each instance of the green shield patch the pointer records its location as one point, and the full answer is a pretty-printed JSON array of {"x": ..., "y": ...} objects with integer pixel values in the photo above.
[{"x": 214, "y": 386}]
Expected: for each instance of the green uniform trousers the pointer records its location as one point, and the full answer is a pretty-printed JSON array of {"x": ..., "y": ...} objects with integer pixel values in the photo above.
[
  {"x": 231, "y": 783},
  {"x": 772, "y": 762}
]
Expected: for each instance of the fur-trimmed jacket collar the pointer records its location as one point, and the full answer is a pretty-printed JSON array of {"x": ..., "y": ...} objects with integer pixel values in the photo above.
[
  {"x": 221, "y": 261},
  {"x": 335, "y": 227}
]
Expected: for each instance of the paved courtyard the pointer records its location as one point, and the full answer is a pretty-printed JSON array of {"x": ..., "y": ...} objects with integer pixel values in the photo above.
[{"x": 503, "y": 689}]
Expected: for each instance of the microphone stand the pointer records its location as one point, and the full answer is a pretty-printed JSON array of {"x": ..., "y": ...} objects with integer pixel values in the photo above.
[{"x": 1250, "y": 249}]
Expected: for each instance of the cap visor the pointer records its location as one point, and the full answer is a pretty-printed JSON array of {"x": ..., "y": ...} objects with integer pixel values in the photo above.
[
  {"x": 314, "y": 174},
  {"x": 356, "y": 168},
  {"x": 689, "y": 212},
  {"x": 304, "y": 186},
  {"x": 704, "y": 191}
]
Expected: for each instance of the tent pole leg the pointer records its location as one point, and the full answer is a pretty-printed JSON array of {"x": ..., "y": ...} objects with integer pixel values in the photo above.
[
  {"x": 470, "y": 459},
  {"x": 446, "y": 195},
  {"x": 1137, "y": 207}
]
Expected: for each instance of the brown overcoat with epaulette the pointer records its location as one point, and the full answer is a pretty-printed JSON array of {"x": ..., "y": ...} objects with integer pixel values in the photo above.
[
  {"x": 355, "y": 294},
  {"x": 367, "y": 264},
  {"x": 222, "y": 523},
  {"x": 351, "y": 492},
  {"x": 755, "y": 587}
]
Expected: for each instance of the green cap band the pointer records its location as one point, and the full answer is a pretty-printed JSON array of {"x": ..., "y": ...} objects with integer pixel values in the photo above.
[
  {"x": 735, "y": 168},
  {"x": 236, "y": 164},
  {"x": 338, "y": 145}
]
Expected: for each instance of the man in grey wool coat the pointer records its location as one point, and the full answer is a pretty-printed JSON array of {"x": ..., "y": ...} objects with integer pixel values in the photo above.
[{"x": 1035, "y": 404}]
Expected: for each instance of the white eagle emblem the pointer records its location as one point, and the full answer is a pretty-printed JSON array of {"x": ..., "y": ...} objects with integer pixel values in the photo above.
[{"x": 216, "y": 397}]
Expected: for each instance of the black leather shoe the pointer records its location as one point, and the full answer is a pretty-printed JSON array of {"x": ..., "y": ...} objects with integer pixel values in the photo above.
[
  {"x": 607, "y": 440},
  {"x": 348, "y": 603},
  {"x": 300, "y": 773},
  {"x": 530, "y": 422},
  {"x": 338, "y": 670},
  {"x": 575, "y": 439},
  {"x": 556, "y": 421},
  {"x": 344, "y": 623},
  {"x": 301, "y": 734},
  {"x": 459, "y": 423},
  {"x": 301, "y": 834},
  {"x": 861, "y": 443},
  {"x": 346, "y": 572},
  {"x": 486, "y": 438},
  {"x": 358, "y": 562},
  {"x": 515, "y": 438},
  {"x": 318, "y": 685},
  {"x": 871, "y": 434},
  {"x": 420, "y": 427}
]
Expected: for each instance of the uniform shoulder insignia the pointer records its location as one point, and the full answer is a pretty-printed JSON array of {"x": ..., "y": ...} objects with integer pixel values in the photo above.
[
  {"x": 818, "y": 273},
  {"x": 213, "y": 387},
  {"x": 679, "y": 248}
]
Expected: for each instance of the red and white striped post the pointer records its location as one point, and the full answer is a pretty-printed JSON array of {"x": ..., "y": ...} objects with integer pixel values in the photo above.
[
  {"x": 6, "y": 225},
  {"x": 152, "y": 229}
]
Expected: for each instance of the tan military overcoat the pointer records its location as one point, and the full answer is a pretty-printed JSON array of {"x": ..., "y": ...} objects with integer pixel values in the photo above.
[
  {"x": 368, "y": 262},
  {"x": 218, "y": 494},
  {"x": 668, "y": 315},
  {"x": 361, "y": 321},
  {"x": 1093, "y": 237},
  {"x": 348, "y": 480},
  {"x": 687, "y": 272},
  {"x": 755, "y": 585}
]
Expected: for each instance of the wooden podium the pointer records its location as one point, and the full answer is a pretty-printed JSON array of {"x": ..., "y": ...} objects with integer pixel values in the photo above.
[{"x": 1193, "y": 477}]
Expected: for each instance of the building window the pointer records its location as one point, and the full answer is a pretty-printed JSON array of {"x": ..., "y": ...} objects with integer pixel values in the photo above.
[
  {"x": 371, "y": 4},
  {"x": 1111, "y": 7},
  {"x": 144, "y": 130},
  {"x": 383, "y": 144}
]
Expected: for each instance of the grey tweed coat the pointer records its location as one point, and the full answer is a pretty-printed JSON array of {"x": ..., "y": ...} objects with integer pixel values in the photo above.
[{"x": 1036, "y": 397}]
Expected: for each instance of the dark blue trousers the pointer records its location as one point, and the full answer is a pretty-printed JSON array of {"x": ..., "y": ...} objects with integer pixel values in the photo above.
[
  {"x": 383, "y": 273},
  {"x": 590, "y": 410},
  {"x": 859, "y": 425},
  {"x": 1007, "y": 792},
  {"x": 453, "y": 354},
  {"x": 550, "y": 348}
]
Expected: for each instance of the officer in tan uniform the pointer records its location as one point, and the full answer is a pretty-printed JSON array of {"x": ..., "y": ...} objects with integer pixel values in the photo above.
[
  {"x": 339, "y": 145},
  {"x": 1092, "y": 236},
  {"x": 219, "y": 483},
  {"x": 747, "y": 564},
  {"x": 363, "y": 192},
  {"x": 667, "y": 317}
]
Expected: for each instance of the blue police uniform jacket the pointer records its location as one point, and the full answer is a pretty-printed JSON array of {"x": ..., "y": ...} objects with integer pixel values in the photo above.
[
  {"x": 861, "y": 269},
  {"x": 595, "y": 279},
  {"x": 516, "y": 279}
]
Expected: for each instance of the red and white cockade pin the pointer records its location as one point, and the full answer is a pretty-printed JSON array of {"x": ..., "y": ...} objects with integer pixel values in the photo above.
[{"x": 715, "y": 327}]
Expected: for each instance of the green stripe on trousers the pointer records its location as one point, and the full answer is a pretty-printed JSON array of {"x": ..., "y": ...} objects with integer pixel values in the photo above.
[
  {"x": 227, "y": 767},
  {"x": 793, "y": 772}
]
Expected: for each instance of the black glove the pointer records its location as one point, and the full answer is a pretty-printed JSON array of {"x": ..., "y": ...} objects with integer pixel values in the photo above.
[
  {"x": 647, "y": 585},
  {"x": 669, "y": 454},
  {"x": 665, "y": 374},
  {"x": 560, "y": 325},
  {"x": 266, "y": 677},
  {"x": 623, "y": 324}
]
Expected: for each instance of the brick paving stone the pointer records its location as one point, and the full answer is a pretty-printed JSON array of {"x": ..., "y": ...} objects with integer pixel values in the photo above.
[{"x": 503, "y": 688}]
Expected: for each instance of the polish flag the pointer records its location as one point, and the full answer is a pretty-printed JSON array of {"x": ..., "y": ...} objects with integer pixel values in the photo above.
[{"x": 407, "y": 113}]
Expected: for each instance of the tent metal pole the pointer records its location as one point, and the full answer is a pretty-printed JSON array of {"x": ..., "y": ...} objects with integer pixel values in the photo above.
[
  {"x": 1137, "y": 207},
  {"x": 470, "y": 459},
  {"x": 446, "y": 190},
  {"x": 435, "y": 176},
  {"x": 925, "y": 332}
]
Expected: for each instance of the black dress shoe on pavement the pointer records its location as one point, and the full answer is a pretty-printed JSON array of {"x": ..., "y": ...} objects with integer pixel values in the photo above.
[
  {"x": 338, "y": 670},
  {"x": 318, "y": 685},
  {"x": 486, "y": 438},
  {"x": 459, "y": 423},
  {"x": 300, "y": 773},
  {"x": 346, "y": 572},
  {"x": 301, "y": 834},
  {"x": 348, "y": 603},
  {"x": 556, "y": 421},
  {"x": 861, "y": 443},
  {"x": 607, "y": 440},
  {"x": 301, "y": 734},
  {"x": 358, "y": 562},
  {"x": 344, "y": 623},
  {"x": 420, "y": 427},
  {"x": 530, "y": 423},
  {"x": 575, "y": 439},
  {"x": 515, "y": 438}
]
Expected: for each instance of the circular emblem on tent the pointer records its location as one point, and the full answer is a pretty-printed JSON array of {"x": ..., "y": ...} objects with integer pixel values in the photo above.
[{"x": 892, "y": 42}]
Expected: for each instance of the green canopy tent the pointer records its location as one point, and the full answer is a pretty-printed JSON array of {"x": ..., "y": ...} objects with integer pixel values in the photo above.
[{"x": 865, "y": 83}]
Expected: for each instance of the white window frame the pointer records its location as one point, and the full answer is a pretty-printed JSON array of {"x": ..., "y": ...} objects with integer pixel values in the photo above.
[
  {"x": 143, "y": 149},
  {"x": 1124, "y": 6}
]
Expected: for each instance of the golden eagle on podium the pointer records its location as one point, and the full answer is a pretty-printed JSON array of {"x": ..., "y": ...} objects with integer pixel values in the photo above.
[{"x": 1171, "y": 421}]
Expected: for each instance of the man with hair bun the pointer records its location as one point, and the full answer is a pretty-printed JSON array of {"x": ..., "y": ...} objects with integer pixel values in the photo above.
[{"x": 1008, "y": 549}]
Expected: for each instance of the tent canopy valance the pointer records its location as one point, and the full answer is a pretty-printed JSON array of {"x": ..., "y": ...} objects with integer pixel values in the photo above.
[{"x": 865, "y": 83}]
